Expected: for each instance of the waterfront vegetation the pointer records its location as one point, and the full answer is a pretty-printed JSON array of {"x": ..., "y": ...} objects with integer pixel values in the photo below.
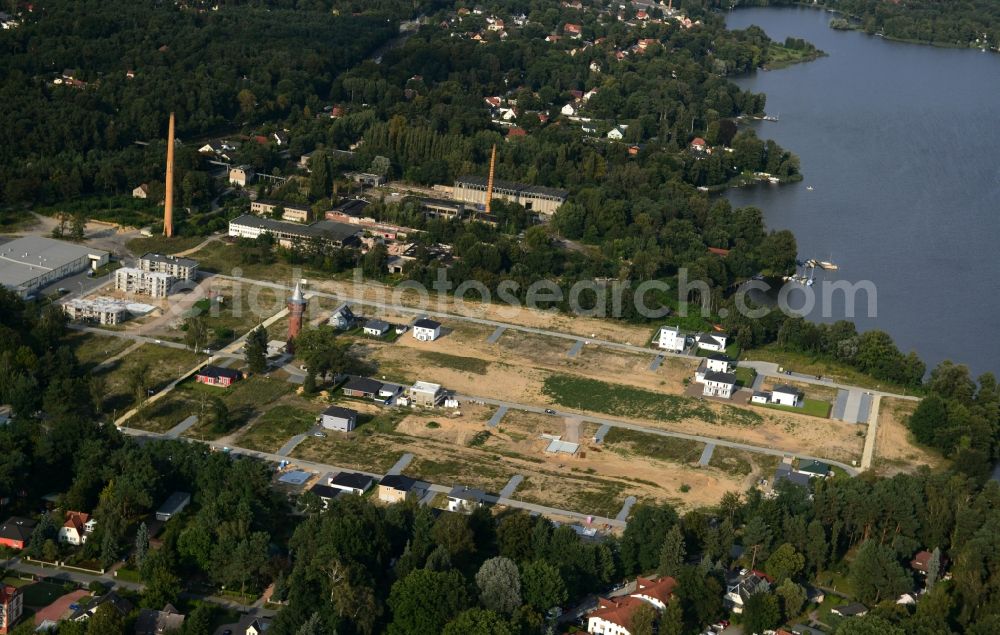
[
  {"x": 793, "y": 51},
  {"x": 971, "y": 23}
]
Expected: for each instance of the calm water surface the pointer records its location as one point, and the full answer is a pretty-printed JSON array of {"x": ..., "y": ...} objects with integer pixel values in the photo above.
[{"x": 900, "y": 145}]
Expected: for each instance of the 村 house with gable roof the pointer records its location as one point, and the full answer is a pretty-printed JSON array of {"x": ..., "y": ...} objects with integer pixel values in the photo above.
[
  {"x": 719, "y": 385},
  {"x": 76, "y": 528}
]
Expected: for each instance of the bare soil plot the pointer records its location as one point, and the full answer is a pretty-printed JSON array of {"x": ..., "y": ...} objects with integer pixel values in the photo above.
[
  {"x": 895, "y": 450},
  {"x": 792, "y": 432},
  {"x": 582, "y": 326},
  {"x": 235, "y": 307},
  {"x": 495, "y": 380}
]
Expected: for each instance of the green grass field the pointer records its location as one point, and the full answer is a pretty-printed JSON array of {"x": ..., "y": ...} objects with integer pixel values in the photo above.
[
  {"x": 275, "y": 427},
  {"x": 654, "y": 446},
  {"x": 625, "y": 401},
  {"x": 164, "y": 245},
  {"x": 812, "y": 407},
  {"x": 472, "y": 365},
  {"x": 162, "y": 365},
  {"x": 245, "y": 400},
  {"x": 92, "y": 349},
  {"x": 745, "y": 377},
  {"x": 41, "y": 594}
]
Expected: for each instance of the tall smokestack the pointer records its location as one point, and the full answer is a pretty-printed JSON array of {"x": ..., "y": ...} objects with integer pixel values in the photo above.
[
  {"x": 489, "y": 181},
  {"x": 168, "y": 197}
]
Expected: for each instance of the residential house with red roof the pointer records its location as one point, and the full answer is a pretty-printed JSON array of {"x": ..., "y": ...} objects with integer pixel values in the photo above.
[
  {"x": 76, "y": 528},
  {"x": 16, "y": 532},
  {"x": 613, "y": 616}
]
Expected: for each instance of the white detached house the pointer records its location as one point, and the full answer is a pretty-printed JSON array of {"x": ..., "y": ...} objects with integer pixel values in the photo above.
[
  {"x": 76, "y": 528},
  {"x": 719, "y": 385},
  {"x": 712, "y": 341},
  {"x": 617, "y": 133},
  {"x": 786, "y": 396},
  {"x": 716, "y": 363},
  {"x": 670, "y": 339},
  {"x": 426, "y": 330}
]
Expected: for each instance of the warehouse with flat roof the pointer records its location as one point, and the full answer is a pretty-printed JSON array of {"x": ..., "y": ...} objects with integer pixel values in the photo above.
[
  {"x": 535, "y": 198},
  {"x": 30, "y": 263}
]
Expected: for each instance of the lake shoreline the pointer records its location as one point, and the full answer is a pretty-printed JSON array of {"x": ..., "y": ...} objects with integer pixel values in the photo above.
[
  {"x": 854, "y": 25},
  {"x": 904, "y": 209}
]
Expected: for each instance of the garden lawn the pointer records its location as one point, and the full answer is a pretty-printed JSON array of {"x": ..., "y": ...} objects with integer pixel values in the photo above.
[
  {"x": 275, "y": 427},
  {"x": 812, "y": 407},
  {"x": 41, "y": 594}
]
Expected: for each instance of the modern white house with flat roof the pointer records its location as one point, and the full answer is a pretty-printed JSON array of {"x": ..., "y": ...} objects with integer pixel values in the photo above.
[
  {"x": 337, "y": 418},
  {"x": 670, "y": 339},
  {"x": 424, "y": 393},
  {"x": 786, "y": 396},
  {"x": 426, "y": 330}
]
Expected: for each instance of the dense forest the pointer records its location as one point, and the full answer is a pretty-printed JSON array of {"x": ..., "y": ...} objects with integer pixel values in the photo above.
[
  {"x": 123, "y": 67},
  {"x": 962, "y": 23}
]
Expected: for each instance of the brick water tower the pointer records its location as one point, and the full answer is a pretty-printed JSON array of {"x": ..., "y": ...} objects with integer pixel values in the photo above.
[{"x": 296, "y": 309}]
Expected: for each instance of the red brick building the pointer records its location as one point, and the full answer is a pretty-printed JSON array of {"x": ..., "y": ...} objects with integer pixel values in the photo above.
[
  {"x": 296, "y": 309},
  {"x": 16, "y": 532},
  {"x": 217, "y": 376},
  {"x": 11, "y": 607}
]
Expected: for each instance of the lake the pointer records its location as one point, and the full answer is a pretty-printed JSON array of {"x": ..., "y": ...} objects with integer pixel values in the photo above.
[{"x": 899, "y": 145}]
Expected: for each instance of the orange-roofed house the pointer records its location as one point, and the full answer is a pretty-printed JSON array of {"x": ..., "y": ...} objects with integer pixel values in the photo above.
[
  {"x": 613, "y": 616},
  {"x": 11, "y": 607},
  {"x": 74, "y": 531},
  {"x": 698, "y": 144},
  {"x": 656, "y": 592}
]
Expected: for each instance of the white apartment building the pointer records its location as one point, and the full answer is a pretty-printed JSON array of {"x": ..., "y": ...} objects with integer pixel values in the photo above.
[{"x": 139, "y": 282}]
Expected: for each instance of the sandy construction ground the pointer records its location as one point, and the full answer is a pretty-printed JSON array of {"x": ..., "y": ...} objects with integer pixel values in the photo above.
[
  {"x": 584, "y": 326},
  {"x": 511, "y": 375},
  {"x": 594, "y": 480},
  {"x": 894, "y": 450}
]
